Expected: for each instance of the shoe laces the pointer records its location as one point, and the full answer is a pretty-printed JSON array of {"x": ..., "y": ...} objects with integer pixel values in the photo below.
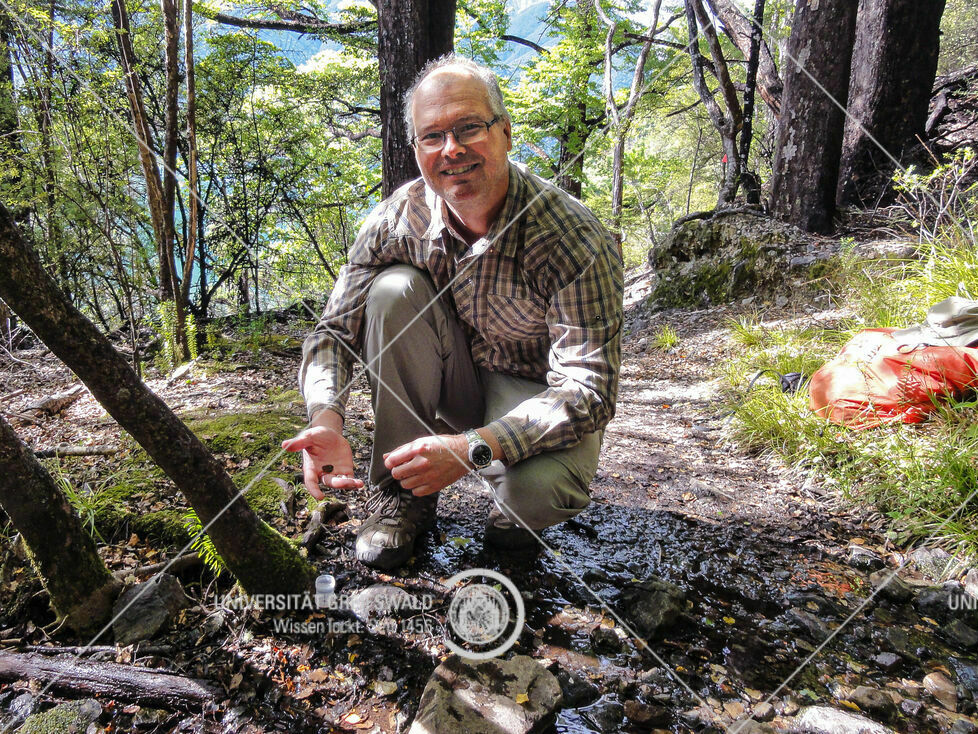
[{"x": 389, "y": 499}]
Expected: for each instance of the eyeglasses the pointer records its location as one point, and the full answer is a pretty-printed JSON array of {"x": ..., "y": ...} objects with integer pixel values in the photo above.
[{"x": 465, "y": 134}]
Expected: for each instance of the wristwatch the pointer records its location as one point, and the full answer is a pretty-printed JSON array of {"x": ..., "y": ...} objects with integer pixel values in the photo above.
[{"x": 479, "y": 452}]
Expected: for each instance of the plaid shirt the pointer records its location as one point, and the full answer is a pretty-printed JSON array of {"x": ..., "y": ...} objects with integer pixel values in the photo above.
[{"x": 540, "y": 297}]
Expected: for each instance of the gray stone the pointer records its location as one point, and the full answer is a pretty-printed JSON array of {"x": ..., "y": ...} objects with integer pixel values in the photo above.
[
  {"x": 23, "y": 706},
  {"x": 380, "y": 601},
  {"x": 864, "y": 559},
  {"x": 888, "y": 661},
  {"x": 827, "y": 720},
  {"x": 144, "y": 609},
  {"x": 480, "y": 697},
  {"x": 763, "y": 711},
  {"x": 967, "y": 673},
  {"x": 947, "y": 602},
  {"x": 751, "y": 726},
  {"x": 910, "y": 707},
  {"x": 899, "y": 642},
  {"x": 874, "y": 701},
  {"x": 935, "y": 563},
  {"x": 605, "y": 640},
  {"x": 606, "y": 716},
  {"x": 802, "y": 261},
  {"x": 809, "y": 623},
  {"x": 72, "y": 717},
  {"x": 577, "y": 691},
  {"x": 890, "y": 586},
  {"x": 963, "y": 636},
  {"x": 963, "y": 726},
  {"x": 652, "y": 606}
]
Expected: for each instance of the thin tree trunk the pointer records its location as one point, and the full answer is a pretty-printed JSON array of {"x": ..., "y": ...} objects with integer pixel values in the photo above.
[
  {"x": 623, "y": 121},
  {"x": 806, "y": 161},
  {"x": 82, "y": 589},
  {"x": 726, "y": 124},
  {"x": 894, "y": 64},
  {"x": 741, "y": 30},
  {"x": 193, "y": 187},
  {"x": 749, "y": 181},
  {"x": 260, "y": 558}
]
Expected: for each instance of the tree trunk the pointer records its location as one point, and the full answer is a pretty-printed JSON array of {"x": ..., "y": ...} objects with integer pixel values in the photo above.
[
  {"x": 727, "y": 124},
  {"x": 260, "y": 558},
  {"x": 894, "y": 64},
  {"x": 82, "y": 589},
  {"x": 806, "y": 161},
  {"x": 145, "y": 686},
  {"x": 160, "y": 191},
  {"x": 409, "y": 34},
  {"x": 193, "y": 188}
]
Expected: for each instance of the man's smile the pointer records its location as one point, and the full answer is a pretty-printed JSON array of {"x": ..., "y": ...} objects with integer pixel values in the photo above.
[{"x": 457, "y": 171}]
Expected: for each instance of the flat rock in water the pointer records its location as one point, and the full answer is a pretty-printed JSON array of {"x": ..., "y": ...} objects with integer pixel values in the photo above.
[
  {"x": 514, "y": 696},
  {"x": 577, "y": 691},
  {"x": 874, "y": 701},
  {"x": 890, "y": 586},
  {"x": 65, "y": 718},
  {"x": 967, "y": 672},
  {"x": 827, "y": 720},
  {"x": 941, "y": 688},
  {"x": 606, "y": 716},
  {"x": 963, "y": 636},
  {"x": 652, "y": 606},
  {"x": 144, "y": 609}
]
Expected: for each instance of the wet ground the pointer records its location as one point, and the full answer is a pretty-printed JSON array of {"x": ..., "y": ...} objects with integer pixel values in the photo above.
[{"x": 776, "y": 576}]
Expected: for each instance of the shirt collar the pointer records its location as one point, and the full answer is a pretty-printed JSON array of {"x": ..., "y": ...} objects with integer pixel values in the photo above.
[{"x": 500, "y": 230}]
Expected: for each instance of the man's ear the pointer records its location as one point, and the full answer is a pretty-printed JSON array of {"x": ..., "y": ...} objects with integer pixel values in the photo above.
[{"x": 508, "y": 129}]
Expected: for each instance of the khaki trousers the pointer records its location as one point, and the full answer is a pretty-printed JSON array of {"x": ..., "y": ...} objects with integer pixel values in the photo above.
[{"x": 420, "y": 366}]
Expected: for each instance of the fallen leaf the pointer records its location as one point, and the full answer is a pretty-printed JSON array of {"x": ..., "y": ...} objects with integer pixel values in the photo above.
[{"x": 522, "y": 698}]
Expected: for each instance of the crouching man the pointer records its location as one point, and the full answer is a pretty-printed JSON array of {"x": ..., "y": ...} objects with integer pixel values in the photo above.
[{"x": 480, "y": 295}]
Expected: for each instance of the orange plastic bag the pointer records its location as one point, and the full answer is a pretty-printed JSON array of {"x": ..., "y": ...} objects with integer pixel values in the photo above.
[{"x": 876, "y": 380}]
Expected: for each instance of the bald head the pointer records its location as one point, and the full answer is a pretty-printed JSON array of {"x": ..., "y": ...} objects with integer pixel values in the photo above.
[{"x": 447, "y": 71}]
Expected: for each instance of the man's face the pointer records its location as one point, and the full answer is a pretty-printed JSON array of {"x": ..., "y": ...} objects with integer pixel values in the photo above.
[{"x": 474, "y": 178}]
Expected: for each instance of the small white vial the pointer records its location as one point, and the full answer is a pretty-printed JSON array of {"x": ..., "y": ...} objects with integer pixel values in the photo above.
[{"x": 325, "y": 588}]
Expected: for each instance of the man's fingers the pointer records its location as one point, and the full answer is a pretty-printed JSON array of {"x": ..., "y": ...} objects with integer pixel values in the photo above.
[
  {"x": 337, "y": 481},
  {"x": 298, "y": 443}
]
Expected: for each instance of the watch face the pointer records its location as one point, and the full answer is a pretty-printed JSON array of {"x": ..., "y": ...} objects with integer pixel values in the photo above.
[{"x": 481, "y": 455}]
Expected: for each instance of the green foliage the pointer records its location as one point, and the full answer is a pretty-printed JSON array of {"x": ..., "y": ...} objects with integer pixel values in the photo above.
[
  {"x": 921, "y": 476},
  {"x": 665, "y": 337},
  {"x": 203, "y": 544},
  {"x": 84, "y": 499}
]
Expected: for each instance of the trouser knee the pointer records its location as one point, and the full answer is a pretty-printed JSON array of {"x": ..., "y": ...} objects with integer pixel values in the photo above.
[
  {"x": 540, "y": 492},
  {"x": 398, "y": 293}
]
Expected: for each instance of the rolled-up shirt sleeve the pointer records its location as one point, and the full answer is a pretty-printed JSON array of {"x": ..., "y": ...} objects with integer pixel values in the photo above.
[
  {"x": 329, "y": 352},
  {"x": 584, "y": 320}
]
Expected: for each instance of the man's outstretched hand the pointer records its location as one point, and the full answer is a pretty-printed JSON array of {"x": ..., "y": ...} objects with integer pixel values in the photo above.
[
  {"x": 326, "y": 457},
  {"x": 429, "y": 464}
]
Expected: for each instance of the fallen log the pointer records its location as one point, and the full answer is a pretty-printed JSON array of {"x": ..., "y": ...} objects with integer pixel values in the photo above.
[
  {"x": 65, "y": 450},
  {"x": 142, "y": 686},
  {"x": 180, "y": 563},
  {"x": 54, "y": 404}
]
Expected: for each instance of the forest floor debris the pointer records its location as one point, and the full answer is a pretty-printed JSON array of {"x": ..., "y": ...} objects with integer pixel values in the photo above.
[{"x": 775, "y": 570}]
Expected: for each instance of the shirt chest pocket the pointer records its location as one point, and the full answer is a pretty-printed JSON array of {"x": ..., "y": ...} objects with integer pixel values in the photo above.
[{"x": 512, "y": 318}]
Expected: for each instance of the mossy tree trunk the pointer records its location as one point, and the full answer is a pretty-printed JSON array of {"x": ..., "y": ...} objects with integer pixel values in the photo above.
[
  {"x": 261, "y": 559},
  {"x": 82, "y": 589}
]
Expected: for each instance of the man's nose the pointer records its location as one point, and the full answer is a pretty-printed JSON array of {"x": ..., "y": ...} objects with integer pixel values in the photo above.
[{"x": 451, "y": 147}]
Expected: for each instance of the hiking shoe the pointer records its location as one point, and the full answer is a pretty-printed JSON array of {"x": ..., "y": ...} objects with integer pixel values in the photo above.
[
  {"x": 503, "y": 534},
  {"x": 386, "y": 538}
]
